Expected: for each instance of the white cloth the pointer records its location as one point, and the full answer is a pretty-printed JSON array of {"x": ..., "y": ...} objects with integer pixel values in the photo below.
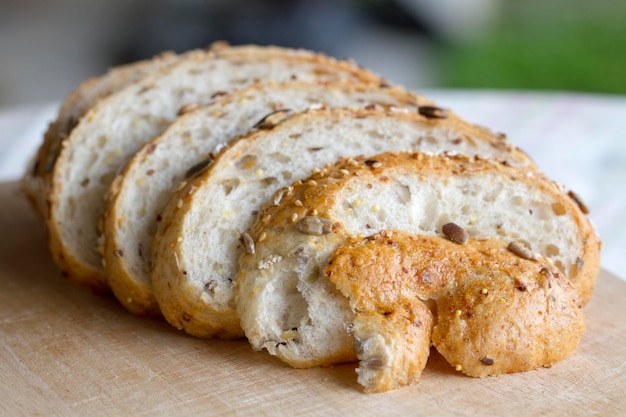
[{"x": 578, "y": 140}]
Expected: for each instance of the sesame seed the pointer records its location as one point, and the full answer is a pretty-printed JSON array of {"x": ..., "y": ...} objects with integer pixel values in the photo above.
[
  {"x": 297, "y": 203},
  {"x": 262, "y": 236},
  {"x": 311, "y": 183},
  {"x": 314, "y": 212},
  {"x": 344, "y": 171},
  {"x": 484, "y": 291},
  {"x": 457, "y": 313},
  {"x": 266, "y": 219},
  {"x": 294, "y": 217},
  {"x": 458, "y": 368}
]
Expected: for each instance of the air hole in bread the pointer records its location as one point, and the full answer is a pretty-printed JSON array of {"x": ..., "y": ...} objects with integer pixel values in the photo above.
[
  {"x": 558, "y": 209},
  {"x": 552, "y": 250},
  {"x": 246, "y": 162},
  {"x": 492, "y": 193},
  {"x": 229, "y": 185},
  {"x": 403, "y": 192},
  {"x": 279, "y": 157},
  {"x": 517, "y": 200},
  {"x": 107, "y": 178},
  {"x": 374, "y": 134},
  {"x": 269, "y": 181}
]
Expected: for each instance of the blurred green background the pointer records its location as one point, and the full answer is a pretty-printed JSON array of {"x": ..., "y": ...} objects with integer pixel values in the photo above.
[
  {"x": 49, "y": 46},
  {"x": 538, "y": 44}
]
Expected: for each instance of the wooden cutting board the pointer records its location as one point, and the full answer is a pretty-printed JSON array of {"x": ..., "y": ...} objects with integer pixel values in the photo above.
[{"x": 64, "y": 351}]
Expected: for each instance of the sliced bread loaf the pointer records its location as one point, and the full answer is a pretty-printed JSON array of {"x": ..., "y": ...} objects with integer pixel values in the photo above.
[
  {"x": 289, "y": 307},
  {"x": 139, "y": 195},
  {"x": 202, "y": 231},
  {"x": 35, "y": 182},
  {"x": 486, "y": 309},
  {"x": 114, "y": 130}
]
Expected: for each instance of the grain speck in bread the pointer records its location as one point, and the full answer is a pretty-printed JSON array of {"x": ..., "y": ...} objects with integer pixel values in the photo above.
[
  {"x": 197, "y": 243},
  {"x": 114, "y": 130},
  {"x": 411, "y": 192},
  {"x": 486, "y": 310},
  {"x": 138, "y": 197}
]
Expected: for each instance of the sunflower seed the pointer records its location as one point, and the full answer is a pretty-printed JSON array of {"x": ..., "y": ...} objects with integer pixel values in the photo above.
[
  {"x": 198, "y": 168},
  {"x": 432, "y": 112},
  {"x": 583, "y": 207},
  {"x": 273, "y": 119},
  {"x": 314, "y": 225},
  {"x": 455, "y": 233}
]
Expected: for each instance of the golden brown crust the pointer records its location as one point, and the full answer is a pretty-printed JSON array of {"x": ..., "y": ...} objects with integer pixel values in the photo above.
[
  {"x": 320, "y": 199},
  {"x": 494, "y": 311}
]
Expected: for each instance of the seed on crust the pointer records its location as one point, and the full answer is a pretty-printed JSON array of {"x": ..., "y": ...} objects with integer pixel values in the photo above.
[
  {"x": 520, "y": 249},
  {"x": 314, "y": 225},
  {"x": 487, "y": 361},
  {"x": 247, "y": 242},
  {"x": 119, "y": 253},
  {"x": 583, "y": 207},
  {"x": 455, "y": 233},
  {"x": 273, "y": 119},
  {"x": 373, "y": 163},
  {"x": 198, "y": 168},
  {"x": 279, "y": 195},
  {"x": 432, "y": 112}
]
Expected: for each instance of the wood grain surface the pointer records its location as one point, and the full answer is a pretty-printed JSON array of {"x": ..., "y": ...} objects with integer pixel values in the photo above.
[{"x": 64, "y": 351}]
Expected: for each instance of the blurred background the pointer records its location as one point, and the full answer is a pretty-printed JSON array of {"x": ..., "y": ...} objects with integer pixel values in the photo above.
[{"x": 48, "y": 46}]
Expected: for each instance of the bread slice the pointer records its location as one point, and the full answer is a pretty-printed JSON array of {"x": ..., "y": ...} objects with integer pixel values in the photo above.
[
  {"x": 35, "y": 182},
  {"x": 114, "y": 130},
  {"x": 139, "y": 195},
  {"x": 280, "y": 286},
  {"x": 486, "y": 309},
  {"x": 197, "y": 243}
]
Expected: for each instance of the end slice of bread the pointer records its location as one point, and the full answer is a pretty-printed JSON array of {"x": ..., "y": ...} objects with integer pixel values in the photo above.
[{"x": 280, "y": 285}]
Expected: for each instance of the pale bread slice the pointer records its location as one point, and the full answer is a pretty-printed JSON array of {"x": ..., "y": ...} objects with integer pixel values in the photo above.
[
  {"x": 140, "y": 193},
  {"x": 197, "y": 244},
  {"x": 36, "y": 180},
  {"x": 114, "y": 130},
  {"x": 487, "y": 310},
  {"x": 282, "y": 287}
]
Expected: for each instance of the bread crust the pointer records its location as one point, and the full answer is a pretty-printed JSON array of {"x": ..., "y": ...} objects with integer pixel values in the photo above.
[
  {"x": 492, "y": 311},
  {"x": 285, "y": 240},
  {"x": 74, "y": 243}
]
